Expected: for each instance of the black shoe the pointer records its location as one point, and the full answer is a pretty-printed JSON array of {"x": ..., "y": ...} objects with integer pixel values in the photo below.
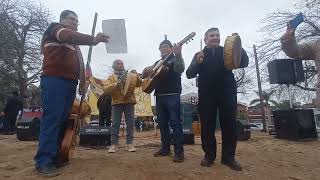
[
  {"x": 48, "y": 171},
  {"x": 234, "y": 165},
  {"x": 162, "y": 153},
  {"x": 206, "y": 162},
  {"x": 178, "y": 157}
]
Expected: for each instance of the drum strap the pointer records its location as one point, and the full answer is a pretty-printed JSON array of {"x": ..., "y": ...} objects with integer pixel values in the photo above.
[{"x": 122, "y": 77}]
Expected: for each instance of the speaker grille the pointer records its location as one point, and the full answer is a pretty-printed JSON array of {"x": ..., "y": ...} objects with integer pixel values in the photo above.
[
  {"x": 295, "y": 124},
  {"x": 285, "y": 71}
]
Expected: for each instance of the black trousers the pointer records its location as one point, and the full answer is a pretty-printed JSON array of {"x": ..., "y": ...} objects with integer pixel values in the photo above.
[
  {"x": 226, "y": 104},
  {"x": 105, "y": 120},
  {"x": 9, "y": 125},
  {"x": 104, "y": 107}
]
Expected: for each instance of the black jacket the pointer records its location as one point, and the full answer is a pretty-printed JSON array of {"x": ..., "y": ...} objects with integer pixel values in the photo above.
[
  {"x": 213, "y": 76},
  {"x": 171, "y": 83},
  {"x": 13, "y": 106}
]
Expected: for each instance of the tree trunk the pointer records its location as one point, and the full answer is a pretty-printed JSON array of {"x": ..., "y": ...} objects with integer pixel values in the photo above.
[
  {"x": 264, "y": 121},
  {"x": 23, "y": 91},
  {"x": 269, "y": 115},
  {"x": 22, "y": 81}
]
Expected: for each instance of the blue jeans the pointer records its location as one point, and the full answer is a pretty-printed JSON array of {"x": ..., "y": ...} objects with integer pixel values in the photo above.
[
  {"x": 57, "y": 98},
  {"x": 117, "y": 110},
  {"x": 169, "y": 112}
]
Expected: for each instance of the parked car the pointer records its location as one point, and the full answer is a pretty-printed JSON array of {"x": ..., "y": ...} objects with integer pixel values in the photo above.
[{"x": 256, "y": 127}]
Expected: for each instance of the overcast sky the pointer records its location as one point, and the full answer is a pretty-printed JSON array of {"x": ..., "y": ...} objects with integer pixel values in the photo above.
[{"x": 148, "y": 20}]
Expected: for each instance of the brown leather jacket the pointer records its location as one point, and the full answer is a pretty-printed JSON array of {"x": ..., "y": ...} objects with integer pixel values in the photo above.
[{"x": 59, "y": 50}]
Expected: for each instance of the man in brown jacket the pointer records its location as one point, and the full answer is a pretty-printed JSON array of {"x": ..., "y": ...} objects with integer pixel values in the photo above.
[
  {"x": 121, "y": 104},
  {"x": 306, "y": 51},
  {"x": 62, "y": 67}
]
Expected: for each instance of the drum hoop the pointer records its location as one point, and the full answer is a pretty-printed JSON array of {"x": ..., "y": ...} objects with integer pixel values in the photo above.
[
  {"x": 232, "y": 52},
  {"x": 131, "y": 78}
]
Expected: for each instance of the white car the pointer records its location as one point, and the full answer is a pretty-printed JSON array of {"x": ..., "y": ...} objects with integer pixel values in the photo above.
[{"x": 256, "y": 126}]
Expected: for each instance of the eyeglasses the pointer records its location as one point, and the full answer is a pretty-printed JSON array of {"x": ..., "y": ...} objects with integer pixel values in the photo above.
[
  {"x": 75, "y": 20},
  {"x": 164, "y": 46}
]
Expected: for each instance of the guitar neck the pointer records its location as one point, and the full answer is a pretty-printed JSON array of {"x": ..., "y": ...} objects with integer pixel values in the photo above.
[
  {"x": 184, "y": 40},
  {"x": 160, "y": 63}
]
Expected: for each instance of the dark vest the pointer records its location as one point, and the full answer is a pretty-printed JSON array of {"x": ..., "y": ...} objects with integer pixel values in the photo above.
[{"x": 172, "y": 82}]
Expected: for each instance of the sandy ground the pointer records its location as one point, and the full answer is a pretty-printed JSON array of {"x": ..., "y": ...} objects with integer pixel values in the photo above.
[{"x": 262, "y": 157}]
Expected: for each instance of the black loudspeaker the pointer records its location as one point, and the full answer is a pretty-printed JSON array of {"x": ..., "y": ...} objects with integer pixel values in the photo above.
[
  {"x": 295, "y": 124},
  {"x": 2, "y": 119},
  {"x": 28, "y": 126},
  {"x": 285, "y": 71},
  {"x": 243, "y": 130},
  {"x": 95, "y": 136},
  {"x": 188, "y": 136}
]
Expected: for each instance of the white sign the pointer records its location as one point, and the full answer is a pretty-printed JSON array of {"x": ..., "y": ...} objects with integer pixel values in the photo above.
[{"x": 116, "y": 29}]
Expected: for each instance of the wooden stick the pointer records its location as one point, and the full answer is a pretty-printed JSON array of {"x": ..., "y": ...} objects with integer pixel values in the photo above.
[
  {"x": 92, "y": 34},
  {"x": 88, "y": 62}
]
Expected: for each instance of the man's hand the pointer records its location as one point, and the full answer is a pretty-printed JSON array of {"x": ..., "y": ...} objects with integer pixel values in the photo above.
[
  {"x": 199, "y": 57},
  {"x": 289, "y": 34},
  {"x": 101, "y": 37},
  {"x": 148, "y": 71},
  {"x": 177, "y": 50}
]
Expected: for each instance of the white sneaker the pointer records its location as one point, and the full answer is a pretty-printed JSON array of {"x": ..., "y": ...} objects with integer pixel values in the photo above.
[
  {"x": 131, "y": 148},
  {"x": 113, "y": 149}
]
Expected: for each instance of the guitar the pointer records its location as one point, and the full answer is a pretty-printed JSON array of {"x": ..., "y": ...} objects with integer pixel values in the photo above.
[
  {"x": 79, "y": 110},
  {"x": 159, "y": 71}
]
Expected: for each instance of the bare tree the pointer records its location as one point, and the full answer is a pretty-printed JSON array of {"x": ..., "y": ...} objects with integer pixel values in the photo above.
[
  {"x": 243, "y": 80},
  {"x": 22, "y": 24},
  {"x": 273, "y": 26}
]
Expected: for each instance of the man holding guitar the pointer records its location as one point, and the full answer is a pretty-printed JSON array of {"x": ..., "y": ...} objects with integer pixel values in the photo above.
[
  {"x": 167, "y": 94},
  {"x": 61, "y": 69}
]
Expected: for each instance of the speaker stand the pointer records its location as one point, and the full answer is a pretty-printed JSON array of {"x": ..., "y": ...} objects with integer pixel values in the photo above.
[{"x": 290, "y": 96}]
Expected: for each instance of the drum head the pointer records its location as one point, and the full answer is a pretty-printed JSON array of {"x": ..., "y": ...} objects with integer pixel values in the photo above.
[
  {"x": 232, "y": 52},
  {"x": 130, "y": 85}
]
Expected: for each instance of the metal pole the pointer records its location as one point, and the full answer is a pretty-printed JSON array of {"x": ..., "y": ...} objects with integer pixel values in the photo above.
[
  {"x": 290, "y": 96},
  {"x": 260, "y": 89}
]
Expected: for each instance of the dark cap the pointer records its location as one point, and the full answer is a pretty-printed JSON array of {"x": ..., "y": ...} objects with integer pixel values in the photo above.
[{"x": 165, "y": 42}]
